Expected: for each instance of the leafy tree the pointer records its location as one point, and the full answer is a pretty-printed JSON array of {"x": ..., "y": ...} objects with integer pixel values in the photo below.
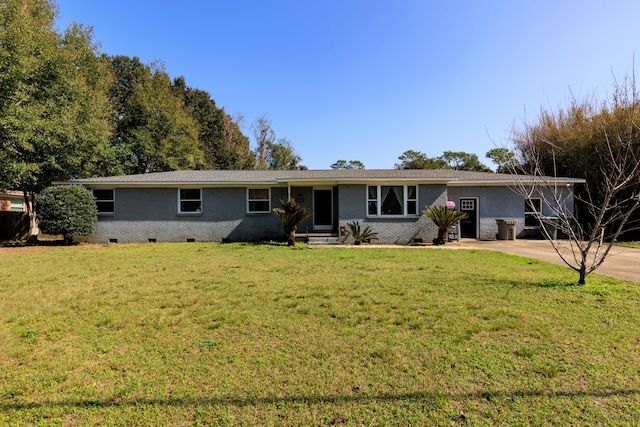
[
  {"x": 418, "y": 160},
  {"x": 223, "y": 144},
  {"x": 272, "y": 153},
  {"x": 69, "y": 210},
  {"x": 282, "y": 156},
  {"x": 238, "y": 143},
  {"x": 54, "y": 113},
  {"x": 444, "y": 218},
  {"x": 291, "y": 214},
  {"x": 154, "y": 131},
  {"x": 597, "y": 142},
  {"x": 459, "y": 160},
  {"x": 502, "y": 157},
  {"x": 351, "y": 164}
]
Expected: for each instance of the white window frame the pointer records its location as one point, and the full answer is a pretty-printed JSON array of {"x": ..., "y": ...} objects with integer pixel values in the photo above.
[
  {"x": 405, "y": 201},
  {"x": 249, "y": 200},
  {"x": 105, "y": 201},
  {"x": 532, "y": 213},
  {"x": 180, "y": 200},
  {"x": 16, "y": 204},
  {"x": 470, "y": 207}
]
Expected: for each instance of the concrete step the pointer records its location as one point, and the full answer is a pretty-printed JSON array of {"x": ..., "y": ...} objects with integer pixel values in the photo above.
[{"x": 323, "y": 240}]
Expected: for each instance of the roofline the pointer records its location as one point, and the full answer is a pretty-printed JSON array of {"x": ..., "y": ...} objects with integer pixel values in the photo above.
[
  {"x": 280, "y": 181},
  {"x": 537, "y": 182},
  {"x": 329, "y": 180},
  {"x": 354, "y": 180},
  {"x": 163, "y": 183}
]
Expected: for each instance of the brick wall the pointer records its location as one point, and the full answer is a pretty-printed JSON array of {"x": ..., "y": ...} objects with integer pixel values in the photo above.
[
  {"x": 352, "y": 201},
  {"x": 498, "y": 202},
  {"x": 493, "y": 203},
  {"x": 143, "y": 214}
]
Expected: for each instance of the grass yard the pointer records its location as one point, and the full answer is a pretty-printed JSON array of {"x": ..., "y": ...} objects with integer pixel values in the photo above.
[
  {"x": 629, "y": 244},
  {"x": 239, "y": 334}
]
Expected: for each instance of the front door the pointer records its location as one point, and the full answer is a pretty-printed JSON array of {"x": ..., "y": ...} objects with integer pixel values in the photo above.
[
  {"x": 469, "y": 226},
  {"x": 322, "y": 210}
]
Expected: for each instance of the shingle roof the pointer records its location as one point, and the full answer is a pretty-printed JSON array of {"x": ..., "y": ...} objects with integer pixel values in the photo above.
[{"x": 238, "y": 177}]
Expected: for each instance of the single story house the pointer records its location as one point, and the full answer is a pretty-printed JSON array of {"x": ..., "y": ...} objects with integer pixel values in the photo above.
[{"x": 223, "y": 205}]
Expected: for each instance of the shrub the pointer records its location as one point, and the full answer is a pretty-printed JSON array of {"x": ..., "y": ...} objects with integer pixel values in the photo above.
[
  {"x": 291, "y": 214},
  {"x": 445, "y": 218},
  {"x": 69, "y": 210},
  {"x": 360, "y": 234}
]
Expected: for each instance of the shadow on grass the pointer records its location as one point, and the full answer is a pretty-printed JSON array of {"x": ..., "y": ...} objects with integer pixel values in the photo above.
[
  {"x": 266, "y": 243},
  {"x": 314, "y": 400},
  {"x": 557, "y": 284},
  {"x": 33, "y": 243}
]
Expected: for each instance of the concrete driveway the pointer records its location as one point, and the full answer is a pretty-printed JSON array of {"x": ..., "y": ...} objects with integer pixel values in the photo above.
[{"x": 623, "y": 263}]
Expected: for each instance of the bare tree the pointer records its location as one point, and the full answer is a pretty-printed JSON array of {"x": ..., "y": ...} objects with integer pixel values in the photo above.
[
  {"x": 598, "y": 143},
  {"x": 265, "y": 137}
]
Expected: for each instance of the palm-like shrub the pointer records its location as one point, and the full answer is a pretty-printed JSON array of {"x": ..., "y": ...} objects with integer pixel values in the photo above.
[
  {"x": 360, "y": 234},
  {"x": 291, "y": 215},
  {"x": 444, "y": 218}
]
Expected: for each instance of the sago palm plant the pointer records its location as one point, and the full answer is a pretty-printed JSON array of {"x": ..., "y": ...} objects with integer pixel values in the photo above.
[
  {"x": 360, "y": 234},
  {"x": 291, "y": 214},
  {"x": 444, "y": 218}
]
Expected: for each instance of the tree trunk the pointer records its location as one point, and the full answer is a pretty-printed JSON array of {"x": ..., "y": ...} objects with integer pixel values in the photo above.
[
  {"x": 443, "y": 234},
  {"x": 291, "y": 236},
  {"x": 33, "y": 223},
  {"x": 583, "y": 275}
]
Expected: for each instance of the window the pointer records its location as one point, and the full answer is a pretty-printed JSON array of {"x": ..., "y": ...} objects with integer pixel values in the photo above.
[
  {"x": 532, "y": 210},
  {"x": 467, "y": 205},
  {"x": 392, "y": 200},
  {"x": 372, "y": 200},
  {"x": 104, "y": 201},
  {"x": 190, "y": 200},
  {"x": 412, "y": 200},
  {"x": 17, "y": 205},
  {"x": 258, "y": 200}
]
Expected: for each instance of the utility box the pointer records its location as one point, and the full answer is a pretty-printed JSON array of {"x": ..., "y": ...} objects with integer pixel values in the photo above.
[{"x": 507, "y": 228}]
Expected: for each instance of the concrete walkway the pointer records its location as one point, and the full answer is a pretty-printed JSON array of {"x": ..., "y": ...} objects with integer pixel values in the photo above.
[{"x": 623, "y": 263}]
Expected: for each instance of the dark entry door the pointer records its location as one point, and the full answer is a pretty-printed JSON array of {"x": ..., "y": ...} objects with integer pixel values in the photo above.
[
  {"x": 322, "y": 210},
  {"x": 469, "y": 226}
]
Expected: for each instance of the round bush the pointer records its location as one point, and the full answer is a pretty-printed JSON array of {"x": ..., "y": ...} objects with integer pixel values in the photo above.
[{"x": 69, "y": 210}]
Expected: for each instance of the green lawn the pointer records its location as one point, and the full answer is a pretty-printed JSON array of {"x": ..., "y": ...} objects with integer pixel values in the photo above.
[
  {"x": 233, "y": 334},
  {"x": 629, "y": 244}
]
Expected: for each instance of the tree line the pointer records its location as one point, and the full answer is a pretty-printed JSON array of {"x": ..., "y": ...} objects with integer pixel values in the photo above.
[
  {"x": 456, "y": 160},
  {"x": 68, "y": 110}
]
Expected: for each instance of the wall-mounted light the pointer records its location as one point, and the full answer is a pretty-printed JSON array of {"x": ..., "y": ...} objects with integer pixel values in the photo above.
[{"x": 299, "y": 198}]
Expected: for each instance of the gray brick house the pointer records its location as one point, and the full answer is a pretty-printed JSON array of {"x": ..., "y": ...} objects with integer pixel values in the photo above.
[{"x": 237, "y": 205}]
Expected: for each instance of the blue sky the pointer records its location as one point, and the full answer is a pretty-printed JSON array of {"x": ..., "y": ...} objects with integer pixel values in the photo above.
[{"x": 369, "y": 79}]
